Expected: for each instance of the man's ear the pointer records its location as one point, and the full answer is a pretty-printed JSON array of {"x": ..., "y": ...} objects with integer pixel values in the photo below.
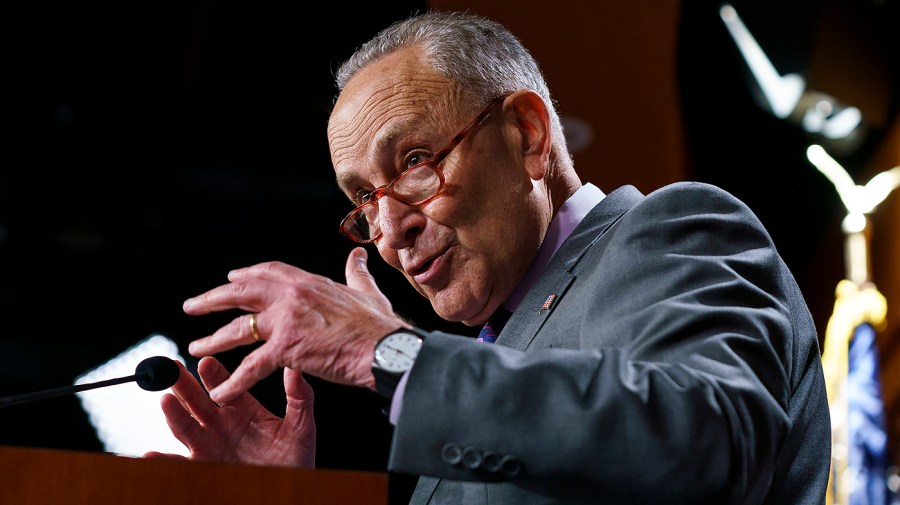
[{"x": 533, "y": 123}]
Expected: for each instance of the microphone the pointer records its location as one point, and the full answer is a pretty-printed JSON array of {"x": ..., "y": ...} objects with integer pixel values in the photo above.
[{"x": 152, "y": 374}]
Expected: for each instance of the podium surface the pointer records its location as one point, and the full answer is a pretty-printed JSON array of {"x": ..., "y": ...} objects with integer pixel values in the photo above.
[{"x": 48, "y": 476}]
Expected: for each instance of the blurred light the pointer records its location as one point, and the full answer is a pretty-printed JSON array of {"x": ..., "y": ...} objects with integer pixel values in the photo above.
[
  {"x": 831, "y": 119},
  {"x": 782, "y": 92},
  {"x": 840, "y": 126},
  {"x": 856, "y": 198},
  {"x": 128, "y": 419},
  {"x": 856, "y": 250},
  {"x": 854, "y": 222},
  {"x": 880, "y": 186},
  {"x": 835, "y": 173}
]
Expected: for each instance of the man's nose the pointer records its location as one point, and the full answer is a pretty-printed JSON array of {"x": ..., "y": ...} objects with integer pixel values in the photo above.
[{"x": 400, "y": 222}]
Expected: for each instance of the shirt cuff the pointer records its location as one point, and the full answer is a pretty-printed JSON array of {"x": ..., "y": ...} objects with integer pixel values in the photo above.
[{"x": 397, "y": 400}]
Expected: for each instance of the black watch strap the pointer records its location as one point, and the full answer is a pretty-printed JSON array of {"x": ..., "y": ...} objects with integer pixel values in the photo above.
[{"x": 386, "y": 382}]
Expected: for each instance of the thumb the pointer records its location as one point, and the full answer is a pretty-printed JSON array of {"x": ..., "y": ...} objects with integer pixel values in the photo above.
[
  {"x": 299, "y": 419},
  {"x": 357, "y": 272},
  {"x": 299, "y": 393}
]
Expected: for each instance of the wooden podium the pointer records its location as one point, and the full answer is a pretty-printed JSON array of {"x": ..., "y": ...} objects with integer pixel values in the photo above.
[{"x": 54, "y": 477}]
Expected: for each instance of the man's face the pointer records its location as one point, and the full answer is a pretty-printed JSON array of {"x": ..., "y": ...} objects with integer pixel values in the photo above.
[{"x": 466, "y": 249}]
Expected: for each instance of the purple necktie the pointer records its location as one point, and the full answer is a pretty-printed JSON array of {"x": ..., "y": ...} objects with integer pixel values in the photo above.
[{"x": 494, "y": 326}]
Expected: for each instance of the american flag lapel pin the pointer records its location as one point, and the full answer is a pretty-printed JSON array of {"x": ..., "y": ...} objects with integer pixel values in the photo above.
[{"x": 548, "y": 303}]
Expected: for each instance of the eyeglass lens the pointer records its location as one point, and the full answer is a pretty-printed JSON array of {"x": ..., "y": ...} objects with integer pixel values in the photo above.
[{"x": 413, "y": 187}]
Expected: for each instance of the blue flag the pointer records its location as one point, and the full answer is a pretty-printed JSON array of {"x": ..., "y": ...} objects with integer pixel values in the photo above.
[{"x": 868, "y": 458}]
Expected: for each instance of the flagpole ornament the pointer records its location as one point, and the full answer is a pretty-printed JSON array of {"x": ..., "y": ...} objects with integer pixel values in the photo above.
[{"x": 859, "y": 201}]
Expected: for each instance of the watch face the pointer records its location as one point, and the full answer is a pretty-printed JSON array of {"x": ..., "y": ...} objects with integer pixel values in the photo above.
[{"x": 397, "y": 352}]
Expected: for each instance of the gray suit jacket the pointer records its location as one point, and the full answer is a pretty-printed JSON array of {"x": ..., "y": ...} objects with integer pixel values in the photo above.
[{"x": 676, "y": 363}]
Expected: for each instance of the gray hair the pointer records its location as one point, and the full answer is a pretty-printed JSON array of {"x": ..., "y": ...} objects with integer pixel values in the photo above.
[{"x": 480, "y": 55}]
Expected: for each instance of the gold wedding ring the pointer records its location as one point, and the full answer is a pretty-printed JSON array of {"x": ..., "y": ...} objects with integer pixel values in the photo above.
[{"x": 253, "y": 330}]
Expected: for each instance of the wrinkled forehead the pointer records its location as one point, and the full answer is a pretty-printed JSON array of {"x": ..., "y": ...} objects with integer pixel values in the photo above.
[
  {"x": 392, "y": 96},
  {"x": 378, "y": 113}
]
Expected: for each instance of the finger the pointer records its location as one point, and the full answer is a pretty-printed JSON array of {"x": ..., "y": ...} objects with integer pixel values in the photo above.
[
  {"x": 300, "y": 399},
  {"x": 163, "y": 455},
  {"x": 232, "y": 335},
  {"x": 299, "y": 392},
  {"x": 298, "y": 416},
  {"x": 213, "y": 373},
  {"x": 271, "y": 270},
  {"x": 243, "y": 294},
  {"x": 357, "y": 272},
  {"x": 255, "y": 367},
  {"x": 191, "y": 396},
  {"x": 183, "y": 425}
]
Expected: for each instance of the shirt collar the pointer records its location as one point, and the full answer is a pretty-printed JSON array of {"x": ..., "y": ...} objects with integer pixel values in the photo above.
[{"x": 561, "y": 226}]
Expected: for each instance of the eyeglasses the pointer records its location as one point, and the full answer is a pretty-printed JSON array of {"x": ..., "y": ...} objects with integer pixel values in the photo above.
[{"x": 417, "y": 185}]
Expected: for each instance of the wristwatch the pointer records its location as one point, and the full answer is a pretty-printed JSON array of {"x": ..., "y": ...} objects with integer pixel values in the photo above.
[{"x": 395, "y": 354}]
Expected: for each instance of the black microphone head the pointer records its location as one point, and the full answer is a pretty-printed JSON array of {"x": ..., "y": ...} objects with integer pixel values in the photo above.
[{"x": 156, "y": 373}]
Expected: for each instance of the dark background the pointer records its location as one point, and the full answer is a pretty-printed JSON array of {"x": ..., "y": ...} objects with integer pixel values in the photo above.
[{"x": 147, "y": 149}]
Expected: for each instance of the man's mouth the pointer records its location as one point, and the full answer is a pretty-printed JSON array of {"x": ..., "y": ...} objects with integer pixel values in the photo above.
[
  {"x": 420, "y": 268},
  {"x": 426, "y": 271}
]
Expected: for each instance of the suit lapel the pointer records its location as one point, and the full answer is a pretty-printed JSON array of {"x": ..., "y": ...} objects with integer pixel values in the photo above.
[{"x": 552, "y": 285}]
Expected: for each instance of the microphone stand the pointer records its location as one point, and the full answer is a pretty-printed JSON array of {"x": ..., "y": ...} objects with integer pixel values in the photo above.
[{"x": 61, "y": 391}]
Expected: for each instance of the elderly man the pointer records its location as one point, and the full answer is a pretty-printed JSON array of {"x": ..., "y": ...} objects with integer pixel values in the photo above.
[{"x": 656, "y": 348}]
